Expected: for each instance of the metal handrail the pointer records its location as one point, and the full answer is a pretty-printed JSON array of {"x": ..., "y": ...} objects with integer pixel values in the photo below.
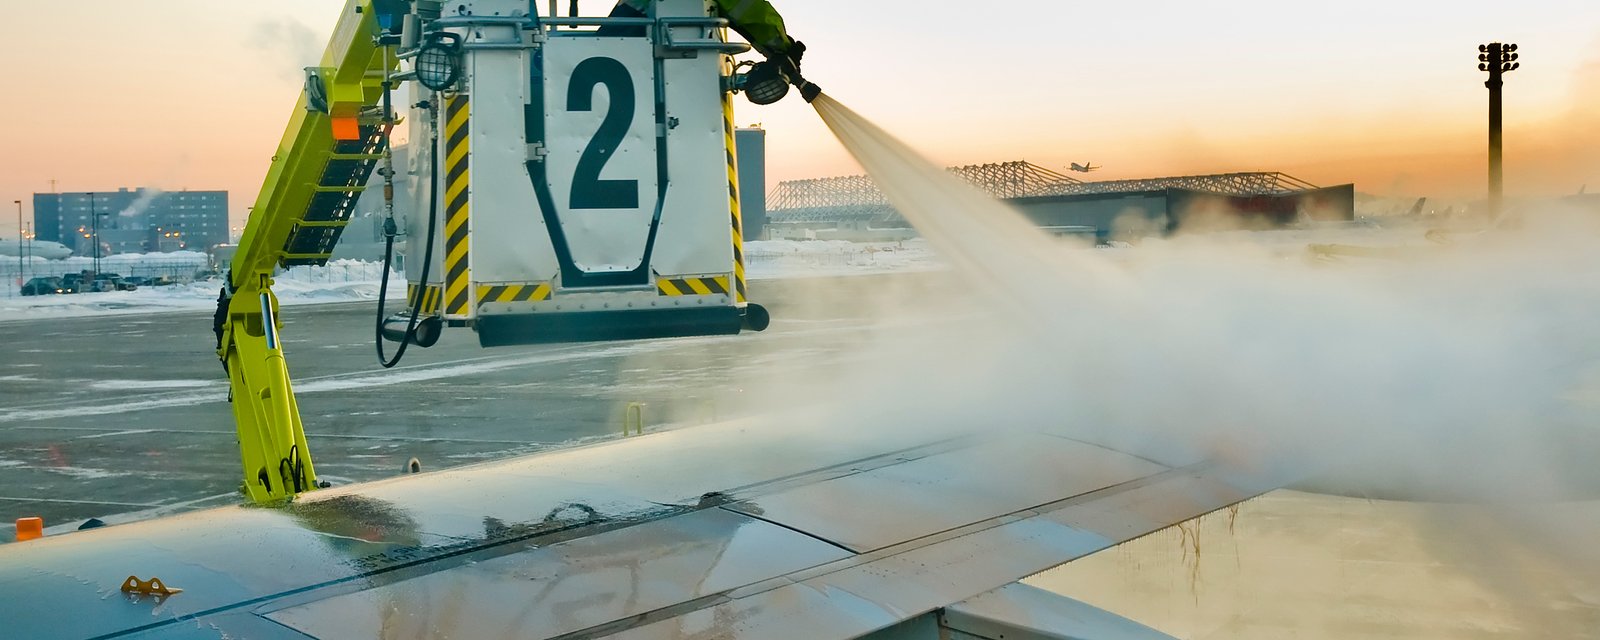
[
  {"x": 479, "y": 46},
  {"x": 598, "y": 22},
  {"x": 483, "y": 21},
  {"x": 662, "y": 26},
  {"x": 715, "y": 44},
  {"x": 480, "y": 21}
]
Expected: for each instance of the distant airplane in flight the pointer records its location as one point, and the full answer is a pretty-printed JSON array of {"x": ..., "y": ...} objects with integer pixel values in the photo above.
[
  {"x": 38, "y": 248},
  {"x": 1084, "y": 168}
]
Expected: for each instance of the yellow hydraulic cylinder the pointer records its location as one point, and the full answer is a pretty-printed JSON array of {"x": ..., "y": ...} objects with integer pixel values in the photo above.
[{"x": 272, "y": 444}]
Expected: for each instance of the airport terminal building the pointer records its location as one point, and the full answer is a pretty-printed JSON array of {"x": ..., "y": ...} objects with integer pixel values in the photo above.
[
  {"x": 853, "y": 208},
  {"x": 141, "y": 220}
]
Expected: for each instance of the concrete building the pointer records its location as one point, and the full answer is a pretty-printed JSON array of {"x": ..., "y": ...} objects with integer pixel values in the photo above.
[{"x": 133, "y": 220}]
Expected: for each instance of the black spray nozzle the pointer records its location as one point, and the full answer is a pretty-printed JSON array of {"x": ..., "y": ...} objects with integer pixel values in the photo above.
[{"x": 808, "y": 90}]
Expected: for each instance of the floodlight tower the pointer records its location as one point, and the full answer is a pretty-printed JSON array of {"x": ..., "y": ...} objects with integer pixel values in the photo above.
[
  {"x": 94, "y": 231},
  {"x": 1497, "y": 59}
]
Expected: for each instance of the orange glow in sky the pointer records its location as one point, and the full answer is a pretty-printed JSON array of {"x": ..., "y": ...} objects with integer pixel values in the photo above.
[{"x": 194, "y": 93}]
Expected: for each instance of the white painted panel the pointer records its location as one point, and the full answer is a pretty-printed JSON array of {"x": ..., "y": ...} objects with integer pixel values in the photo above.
[
  {"x": 696, "y": 227},
  {"x": 509, "y": 240},
  {"x": 415, "y": 224},
  {"x": 604, "y": 234},
  {"x": 492, "y": 7}
]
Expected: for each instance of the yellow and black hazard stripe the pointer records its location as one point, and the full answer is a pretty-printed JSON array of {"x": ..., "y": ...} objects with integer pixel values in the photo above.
[
  {"x": 430, "y": 298},
  {"x": 457, "y": 196},
  {"x": 692, "y": 286},
  {"x": 733, "y": 198},
  {"x": 513, "y": 292}
]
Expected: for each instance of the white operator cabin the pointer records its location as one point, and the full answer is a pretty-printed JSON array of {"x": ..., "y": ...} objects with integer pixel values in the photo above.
[{"x": 586, "y": 177}]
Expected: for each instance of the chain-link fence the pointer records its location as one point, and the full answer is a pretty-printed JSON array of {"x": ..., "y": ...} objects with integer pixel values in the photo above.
[
  {"x": 174, "y": 269},
  {"x": 12, "y": 278},
  {"x": 766, "y": 258},
  {"x": 339, "y": 271},
  {"x": 13, "y": 275},
  {"x": 826, "y": 253},
  {"x": 818, "y": 255}
]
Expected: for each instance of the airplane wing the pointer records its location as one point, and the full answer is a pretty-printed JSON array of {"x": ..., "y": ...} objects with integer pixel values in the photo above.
[{"x": 732, "y": 530}]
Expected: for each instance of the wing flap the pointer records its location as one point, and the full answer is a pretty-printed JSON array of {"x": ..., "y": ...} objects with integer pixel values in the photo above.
[
  {"x": 888, "y": 505},
  {"x": 853, "y": 597}
]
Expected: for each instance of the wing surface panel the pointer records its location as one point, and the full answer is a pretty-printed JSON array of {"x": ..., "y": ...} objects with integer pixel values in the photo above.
[
  {"x": 572, "y": 585},
  {"x": 854, "y": 597},
  {"x": 892, "y": 504},
  {"x": 723, "y": 531},
  {"x": 1021, "y": 611}
]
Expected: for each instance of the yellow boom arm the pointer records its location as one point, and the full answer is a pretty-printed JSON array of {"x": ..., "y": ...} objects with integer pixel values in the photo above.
[{"x": 333, "y": 141}]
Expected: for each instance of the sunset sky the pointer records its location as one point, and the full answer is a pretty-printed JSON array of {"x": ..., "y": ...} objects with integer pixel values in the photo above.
[{"x": 194, "y": 94}]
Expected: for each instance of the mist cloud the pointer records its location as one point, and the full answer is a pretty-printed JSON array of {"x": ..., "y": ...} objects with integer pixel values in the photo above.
[
  {"x": 1467, "y": 371},
  {"x": 291, "y": 45}
]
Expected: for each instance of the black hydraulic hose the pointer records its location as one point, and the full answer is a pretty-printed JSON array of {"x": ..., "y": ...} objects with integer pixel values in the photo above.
[{"x": 427, "y": 259}]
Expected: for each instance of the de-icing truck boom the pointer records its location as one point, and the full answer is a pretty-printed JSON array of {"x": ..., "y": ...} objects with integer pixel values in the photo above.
[{"x": 581, "y": 186}]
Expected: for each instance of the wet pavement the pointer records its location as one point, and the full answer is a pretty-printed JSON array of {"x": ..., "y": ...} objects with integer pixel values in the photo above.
[
  {"x": 128, "y": 415},
  {"x": 117, "y": 414}
]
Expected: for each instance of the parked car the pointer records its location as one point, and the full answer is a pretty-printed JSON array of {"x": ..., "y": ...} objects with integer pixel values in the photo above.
[
  {"x": 43, "y": 286},
  {"x": 110, "y": 282},
  {"x": 149, "y": 281},
  {"x": 74, "y": 283}
]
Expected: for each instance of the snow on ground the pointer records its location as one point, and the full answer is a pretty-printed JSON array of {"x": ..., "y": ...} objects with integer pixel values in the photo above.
[
  {"x": 770, "y": 259},
  {"x": 353, "y": 280},
  {"x": 339, "y": 281},
  {"x": 149, "y": 385}
]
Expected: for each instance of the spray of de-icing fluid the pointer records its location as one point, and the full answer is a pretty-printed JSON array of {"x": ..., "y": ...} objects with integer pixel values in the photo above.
[{"x": 1464, "y": 372}]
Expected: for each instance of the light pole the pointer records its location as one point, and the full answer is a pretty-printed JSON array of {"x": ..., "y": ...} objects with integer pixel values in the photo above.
[
  {"x": 1497, "y": 59},
  {"x": 94, "y": 234},
  {"x": 94, "y": 231},
  {"x": 22, "y": 239}
]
